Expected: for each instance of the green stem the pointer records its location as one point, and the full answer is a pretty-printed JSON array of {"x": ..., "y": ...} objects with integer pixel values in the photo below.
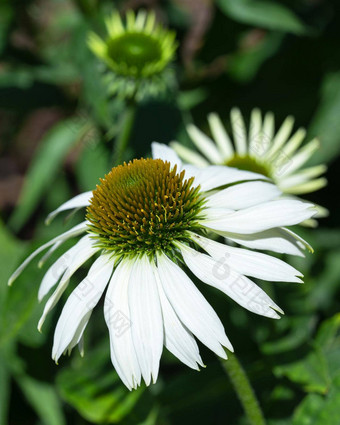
[
  {"x": 87, "y": 7},
  {"x": 243, "y": 389},
  {"x": 123, "y": 139}
]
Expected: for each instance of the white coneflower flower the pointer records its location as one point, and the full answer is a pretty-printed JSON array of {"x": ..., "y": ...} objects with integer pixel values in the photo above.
[
  {"x": 260, "y": 149},
  {"x": 147, "y": 223},
  {"x": 137, "y": 53}
]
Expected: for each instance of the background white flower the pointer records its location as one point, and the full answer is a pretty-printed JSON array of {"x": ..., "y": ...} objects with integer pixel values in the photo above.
[
  {"x": 147, "y": 222},
  {"x": 276, "y": 155}
]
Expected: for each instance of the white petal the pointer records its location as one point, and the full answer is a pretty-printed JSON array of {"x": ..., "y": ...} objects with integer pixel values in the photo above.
[
  {"x": 79, "y": 304},
  {"x": 279, "y": 240},
  {"x": 75, "y": 231},
  {"x": 79, "y": 201},
  {"x": 79, "y": 335},
  {"x": 164, "y": 152},
  {"x": 291, "y": 164},
  {"x": 188, "y": 155},
  {"x": 82, "y": 250},
  {"x": 281, "y": 136},
  {"x": 244, "y": 195},
  {"x": 218, "y": 175},
  {"x": 294, "y": 142},
  {"x": 239, "y": 132},
  {"x": 177, "y": 338},
  {"x": 48, "y": 254},
  {"x": 140, "y": 20},
  {"x": 302, "y": 176},
  {"x": 307, "y": 187},
  {"x": 191, "y": 307},
  {"x": 55, "y": 272},
  {"x": 204, "y": 144},
  {"x": 146, "y": 318},
  {"x": 117, "y": 317},
  {"x": 223, "y": 277},
  {"x": 221, "y": 137},
  {"x": 83, "y": 253},
  {"x": 267, "y": 131},
  {"x": 262, "y": 217},
  {"x": 255, "y": 134},
  {"x": 247, "y": 262}
]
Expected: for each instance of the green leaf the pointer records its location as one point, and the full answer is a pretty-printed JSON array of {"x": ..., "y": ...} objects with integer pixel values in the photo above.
[
  {"x": 11, "y": 250},
  {"x": 92, "y": 386},
  {"x": 245, "y": 63},
  {"x": 188, "y": 99},
  {"x": 300, "y": 329},
  {"x": 45, "y": 165},
  {"x": 4, "y": 384},
  {"x": 326, "y": 123},
  {"x": 318, "y": 410},
  {"x": 92, "y": 164},
  {"x": 20, "y": 310},
  {"x": 262, "y": 13},
  {"x": 316, "y": 371},
  {"x": 43, "y": 398}
]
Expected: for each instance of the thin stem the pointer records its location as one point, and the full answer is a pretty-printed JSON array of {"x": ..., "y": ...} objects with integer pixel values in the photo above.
[
  {"x": 87, "y": 7},
  {"x": 123, "y": 139},
  {"x": 243, "y": 389}
]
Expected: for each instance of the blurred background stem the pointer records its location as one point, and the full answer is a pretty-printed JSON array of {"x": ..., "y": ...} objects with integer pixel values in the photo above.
[
  {"x": 243, "y": 389},
  {"x": 87, "y": 7},
  {"x": 123, "y": 138}
]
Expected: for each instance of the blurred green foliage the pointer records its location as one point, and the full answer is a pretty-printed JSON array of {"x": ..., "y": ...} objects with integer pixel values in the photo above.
[{"x": 57, "y": 129}]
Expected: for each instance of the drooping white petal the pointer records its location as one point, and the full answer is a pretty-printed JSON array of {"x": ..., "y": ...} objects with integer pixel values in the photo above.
[
  {"x": 223, "y": 277},
  {"x": 80, "y": 304},
  {"x": 146, "y": 318},
  {"x": 249, "y": 263},
  {"x": 188, "y": 155},
  {"x": 117, "y": 317},
  {"x": 177, "y": 338},
  {"x": 164, "y": 152},
  {"x": 280, "y": 240},
  {"x": 218, "y": 175},
  {"x": 55, "y": 272},
  {"x": 82, "y": 251},
  {"x": 204, "y": 144},
  {"x": 79, "y": 201},
  {"x": 75, "y": 231},
  {"x": 78, "y": 338},
  {"x": 221, "y": 137},
  {"x": 191, "y": 307},
  {"x": 85, "y": 251},
  {"x": 48, "y": 254},
  {"x": 243, "y": 195},
  {"x": 261, "y": 217},
  {"x": 239, "y": 131}
]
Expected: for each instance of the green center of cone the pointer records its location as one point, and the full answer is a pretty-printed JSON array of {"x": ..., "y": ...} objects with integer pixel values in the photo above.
[
  {"x": 248, "y": 163},
  {"x": 134, "y": 50}
]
